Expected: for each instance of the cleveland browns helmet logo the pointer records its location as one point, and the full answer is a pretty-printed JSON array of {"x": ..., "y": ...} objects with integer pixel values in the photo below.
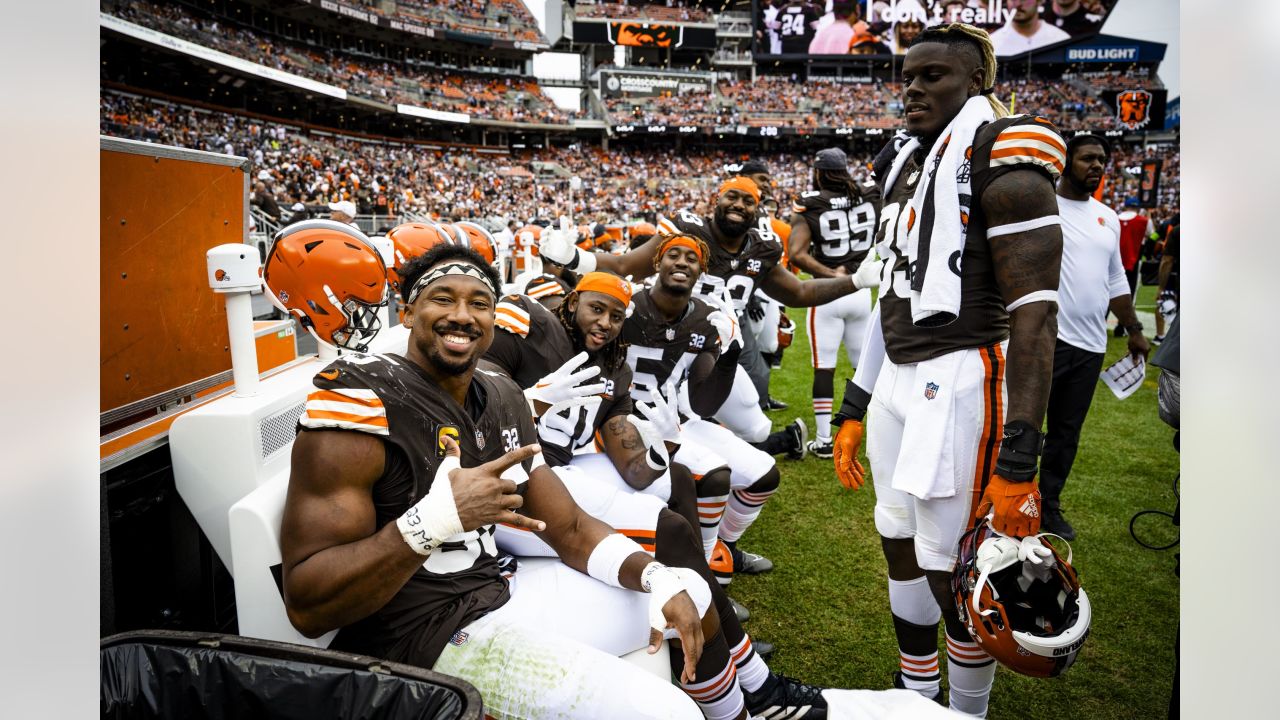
[
  {"x": 644, "y": 35},
  {"x": 1133, "y": 108}
]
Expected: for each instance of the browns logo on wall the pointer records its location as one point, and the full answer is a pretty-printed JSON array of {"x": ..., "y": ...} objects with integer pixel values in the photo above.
[
  {"x": 645, "y": 35},
  {"x": 1137, "y": 109}
]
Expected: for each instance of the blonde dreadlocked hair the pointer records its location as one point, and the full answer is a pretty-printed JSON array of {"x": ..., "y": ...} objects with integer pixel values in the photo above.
[{"x": 978, "y": 39}]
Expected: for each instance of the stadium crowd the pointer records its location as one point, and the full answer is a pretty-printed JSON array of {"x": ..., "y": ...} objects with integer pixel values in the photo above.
[
  {"x": 767, "y": 100},
  {"x": 619, "y": 185},
  {"x": 504, "y": 98},
  {"x": 643, "y": 11}
]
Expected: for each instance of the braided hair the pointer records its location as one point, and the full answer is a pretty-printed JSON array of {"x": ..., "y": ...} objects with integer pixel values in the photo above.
[
  {"x": 839, "y": 181},
  {"x": 963, "y": 35},
  {"x": 612, "y": 356}
]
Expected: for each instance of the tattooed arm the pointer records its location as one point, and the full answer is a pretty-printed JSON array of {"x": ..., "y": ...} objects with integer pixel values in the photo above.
[
  {"x": 624, "y": 447},
  {"x": 1026, "y": 262}
]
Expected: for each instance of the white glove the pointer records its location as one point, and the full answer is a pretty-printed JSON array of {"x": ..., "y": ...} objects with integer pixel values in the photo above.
[
  {"x": 661, "y": 412},
  {"x": 727, "y": 327},
  {"x": 663, "y": 583},
  {"x": 656, "y": 455},
  {"x": 434, "y": 518},
  {"x": 559, "y": 425},
  {"x": 563, "y": 384},
  {"x": 868, "y": 273},
  {"x": 560, "y": 247},
  {"x": 1033, "y": 551}
]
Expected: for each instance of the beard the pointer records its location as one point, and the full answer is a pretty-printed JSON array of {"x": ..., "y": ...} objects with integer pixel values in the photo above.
[
  {"x": 731, "y": 228},
  {"x": 445, "y": 365}
]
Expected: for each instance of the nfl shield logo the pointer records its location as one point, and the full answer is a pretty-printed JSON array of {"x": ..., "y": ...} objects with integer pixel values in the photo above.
[
  {"x": 479, "y": 440},
  {"x": 671, "y": 333},
  {"x": 930, "y": 391}
]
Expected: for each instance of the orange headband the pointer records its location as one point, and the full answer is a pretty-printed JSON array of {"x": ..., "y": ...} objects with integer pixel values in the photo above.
[
  {"x": 680, "y": 241},
  {"x": 742, "y": 183},
  {"x": 607, "y": 283}
]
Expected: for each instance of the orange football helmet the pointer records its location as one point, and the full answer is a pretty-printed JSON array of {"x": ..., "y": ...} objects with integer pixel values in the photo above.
[
  {"x": 329, "y": 276},
  {"x": 478, "y": 239},
  {"x": 1032, "y": 617},
  {"x": 411, "y": 240}
]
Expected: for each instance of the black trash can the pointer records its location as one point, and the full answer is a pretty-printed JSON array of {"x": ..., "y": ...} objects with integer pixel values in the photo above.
[{"x": 171, "y": 674}]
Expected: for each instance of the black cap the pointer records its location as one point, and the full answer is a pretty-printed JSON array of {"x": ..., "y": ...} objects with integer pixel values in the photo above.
[
  {"x": 750, "y": 167},
  {"x": 832, "y": 159}
]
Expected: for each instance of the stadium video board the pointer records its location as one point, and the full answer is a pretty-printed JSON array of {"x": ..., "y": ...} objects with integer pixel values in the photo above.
[
  {"x": 805, "y": 28},
  {"x": 644, "y": 34}
]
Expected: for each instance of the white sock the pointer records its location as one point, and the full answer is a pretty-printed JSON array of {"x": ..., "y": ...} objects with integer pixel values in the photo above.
[
  {"x": 742, "y": 509},
  {"x": 752, "y": 669},
  {"x": 916, "y": 616},
  {"x": 822, "y": 418},
  {"x": 970, "y": 674},
  {"x": 710, "y": 513},
  {"x": 719, "y": 698}
]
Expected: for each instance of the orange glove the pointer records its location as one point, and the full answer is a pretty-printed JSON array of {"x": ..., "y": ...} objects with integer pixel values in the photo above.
[
  {"x": 1014, "y": 506},
  {"x": 848, "y": 469}
]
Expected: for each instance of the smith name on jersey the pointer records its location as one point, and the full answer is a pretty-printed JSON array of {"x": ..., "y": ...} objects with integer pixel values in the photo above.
[
  {"x": 1019, "y": 142},
  {"x": 842, "y": 229},
  {"x": 529, "y": 343},
  {"x": 393, "y": 399},
  {"x": 740, "y": 272}
]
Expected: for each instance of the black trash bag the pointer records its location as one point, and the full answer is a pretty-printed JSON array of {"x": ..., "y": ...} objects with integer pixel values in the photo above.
[{"x": 169, "y": 674}]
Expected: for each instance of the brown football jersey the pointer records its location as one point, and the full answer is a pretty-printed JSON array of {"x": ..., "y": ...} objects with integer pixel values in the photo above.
[
  {"x": 982, "y": 319},
  {"x": 740, "y": 272},
  {"x": 395, "y": 400},
  {"x": 530, "y": 342}
]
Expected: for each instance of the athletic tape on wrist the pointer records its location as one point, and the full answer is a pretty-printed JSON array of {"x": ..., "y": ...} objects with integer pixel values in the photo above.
[
  {"x": 434, "y": 518},
  {"x": 606, "y": 559},
  {"x": 664, "y": 583}
]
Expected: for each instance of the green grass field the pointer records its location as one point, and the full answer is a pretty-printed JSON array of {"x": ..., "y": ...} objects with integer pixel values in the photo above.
[{"x": 826, "y": 605}]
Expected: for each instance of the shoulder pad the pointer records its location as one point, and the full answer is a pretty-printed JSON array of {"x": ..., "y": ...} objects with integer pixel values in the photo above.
[
  {"x": 342, "y": 399},
  {"x": 1032, "y": 141},
  {"x": 510, "y": 315}
]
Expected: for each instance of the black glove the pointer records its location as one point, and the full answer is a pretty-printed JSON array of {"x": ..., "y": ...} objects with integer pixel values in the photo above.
[{"x": 755, "y": 309}]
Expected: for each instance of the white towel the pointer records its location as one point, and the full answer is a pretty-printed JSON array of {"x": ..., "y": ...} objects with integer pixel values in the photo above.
[
  {"x": 926, "y": 461},
  {"x": 940, "y": 215}
]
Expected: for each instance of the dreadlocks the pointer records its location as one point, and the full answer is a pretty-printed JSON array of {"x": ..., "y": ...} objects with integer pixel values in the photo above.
[
  {"x": 612, "y": 355},
  {"x": 838, "y": 181},
  {"x": 976, "y": 39}
]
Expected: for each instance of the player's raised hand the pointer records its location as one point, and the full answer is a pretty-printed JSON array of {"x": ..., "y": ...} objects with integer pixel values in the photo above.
[
  {"x": 482, "y": 496},
  {"x": 845, "y": 453},
  {"x": 565, "y": 383}
]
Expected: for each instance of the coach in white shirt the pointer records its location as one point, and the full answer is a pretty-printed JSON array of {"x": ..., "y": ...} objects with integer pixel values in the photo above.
[
  {"x": 1092, "y": 282},
  {"x": 1025, "y": 30}
]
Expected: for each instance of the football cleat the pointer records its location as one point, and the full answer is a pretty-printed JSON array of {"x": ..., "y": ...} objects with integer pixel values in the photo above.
[
  {"x": 763, "y": 648},
  {"x": 1054, "y": 522},
  {"x": 784, "y": 698},
  {"x": 775, "y": 404},
  {"x": 740, "y": 610},
  {"x": 822, "y": 449},
  {"x": 749, "y": 563},
  {"x": 798, "y": 435}
]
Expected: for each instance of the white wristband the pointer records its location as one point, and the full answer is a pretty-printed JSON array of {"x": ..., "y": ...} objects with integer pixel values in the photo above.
[
  {"x": 606, "y": 559},
  {"x": 434, "y": 518},
  {"x": 586, "y": 262}
]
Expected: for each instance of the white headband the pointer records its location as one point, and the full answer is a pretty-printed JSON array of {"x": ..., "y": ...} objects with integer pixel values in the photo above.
[{"x": 446, "y": 269}]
